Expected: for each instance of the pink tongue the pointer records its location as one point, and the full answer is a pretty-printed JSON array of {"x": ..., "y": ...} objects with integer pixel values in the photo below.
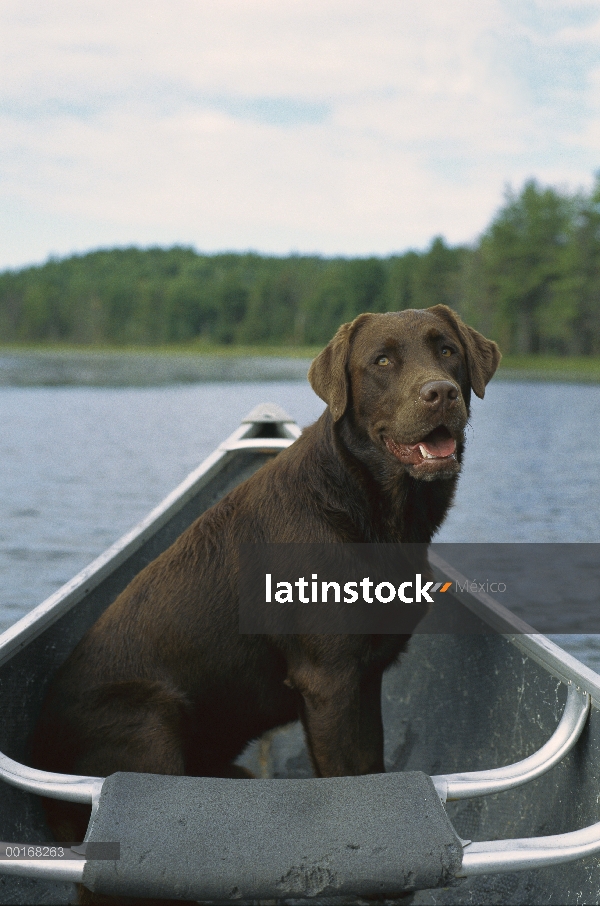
[{"x": 439, "y": 446}]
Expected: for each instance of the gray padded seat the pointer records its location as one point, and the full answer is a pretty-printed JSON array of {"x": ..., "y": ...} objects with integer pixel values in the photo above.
[{"x": 202, "y": 838}]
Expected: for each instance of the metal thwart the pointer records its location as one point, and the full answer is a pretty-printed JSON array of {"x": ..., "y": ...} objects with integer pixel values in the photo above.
[{"x": 482, "y": 783}]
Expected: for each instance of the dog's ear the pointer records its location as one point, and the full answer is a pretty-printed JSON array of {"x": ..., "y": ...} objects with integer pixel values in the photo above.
[
  {"x": 328, "y": 375},
  {"x": 483, "y": 356}
]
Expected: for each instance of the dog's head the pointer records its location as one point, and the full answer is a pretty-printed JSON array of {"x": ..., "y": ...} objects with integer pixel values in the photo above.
[{"x": 405, "y": 380}]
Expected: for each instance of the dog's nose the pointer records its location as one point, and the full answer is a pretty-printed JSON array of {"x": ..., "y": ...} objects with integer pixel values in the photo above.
[{"x": 438, "y": 393}]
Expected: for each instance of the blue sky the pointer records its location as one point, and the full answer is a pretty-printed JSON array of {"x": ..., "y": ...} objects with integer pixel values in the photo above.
[{"x": 286, "y": 125}]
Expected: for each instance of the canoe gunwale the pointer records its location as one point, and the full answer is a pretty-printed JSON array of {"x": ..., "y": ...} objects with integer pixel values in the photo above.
[
  {"x": 559, "y": 663},
  {"x": 541, "y": 649},
  {"x": 49, "y": 611}
]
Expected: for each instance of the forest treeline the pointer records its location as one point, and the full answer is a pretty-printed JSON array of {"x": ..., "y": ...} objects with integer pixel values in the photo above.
[{"x": 531, "y": 282}]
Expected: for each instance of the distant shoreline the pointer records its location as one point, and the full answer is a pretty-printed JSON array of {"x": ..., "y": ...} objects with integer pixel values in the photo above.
[
  {"x": 200, "y": 348},
  {"x": 64, "y": 365}
]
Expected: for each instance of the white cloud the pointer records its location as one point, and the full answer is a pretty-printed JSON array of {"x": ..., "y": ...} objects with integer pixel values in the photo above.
[{"x": 312, "y": 126}]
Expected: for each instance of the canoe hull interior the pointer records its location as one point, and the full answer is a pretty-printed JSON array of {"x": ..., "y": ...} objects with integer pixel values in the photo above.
[
  {"x": 470, "y": 702},
  {"x": 460, "y": 699}
]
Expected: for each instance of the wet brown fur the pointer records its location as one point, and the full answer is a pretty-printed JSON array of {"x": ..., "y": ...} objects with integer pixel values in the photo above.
[{"x": 164, "y": 682}]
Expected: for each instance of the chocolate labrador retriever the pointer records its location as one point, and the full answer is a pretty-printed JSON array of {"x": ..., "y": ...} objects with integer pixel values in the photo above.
[{"x": 165, "y": 683}]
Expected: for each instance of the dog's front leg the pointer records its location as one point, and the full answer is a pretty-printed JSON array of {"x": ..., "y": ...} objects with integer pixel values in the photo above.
[{"x": 341, "y": 714}]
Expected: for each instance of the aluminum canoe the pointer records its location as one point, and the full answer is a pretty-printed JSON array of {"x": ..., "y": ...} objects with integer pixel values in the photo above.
[{"x": 492, "y": 752}]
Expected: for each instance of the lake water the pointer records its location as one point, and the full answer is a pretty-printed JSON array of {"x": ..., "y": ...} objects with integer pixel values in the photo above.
[{"x": 82, "y": 464}]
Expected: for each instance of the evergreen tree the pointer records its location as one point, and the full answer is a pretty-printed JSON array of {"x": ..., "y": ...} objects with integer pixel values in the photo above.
[{"x": 532, "y": 282}]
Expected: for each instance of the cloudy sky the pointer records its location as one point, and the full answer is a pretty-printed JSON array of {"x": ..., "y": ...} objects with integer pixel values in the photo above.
[{"x": 330, "y": 126}]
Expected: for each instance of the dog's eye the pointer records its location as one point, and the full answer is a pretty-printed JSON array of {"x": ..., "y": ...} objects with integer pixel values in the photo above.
[
  {"x": 382, "y": 360},
  {"x": 446, "y": 351}
]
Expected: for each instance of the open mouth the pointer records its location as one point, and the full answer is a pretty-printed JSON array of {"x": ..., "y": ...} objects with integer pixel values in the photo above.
[{"x": 438, "y": 445}]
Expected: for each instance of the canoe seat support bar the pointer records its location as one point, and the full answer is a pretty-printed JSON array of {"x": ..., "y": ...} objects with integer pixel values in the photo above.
[
  {"x": 68, "y": 787},
  {"x": 482, "y": 783},
  {"x": 74, "y": 788},
  {"x": 520, "y": 854},
  {"x": 529, "y": 852},
  {"x": 478, "y": 858}
]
